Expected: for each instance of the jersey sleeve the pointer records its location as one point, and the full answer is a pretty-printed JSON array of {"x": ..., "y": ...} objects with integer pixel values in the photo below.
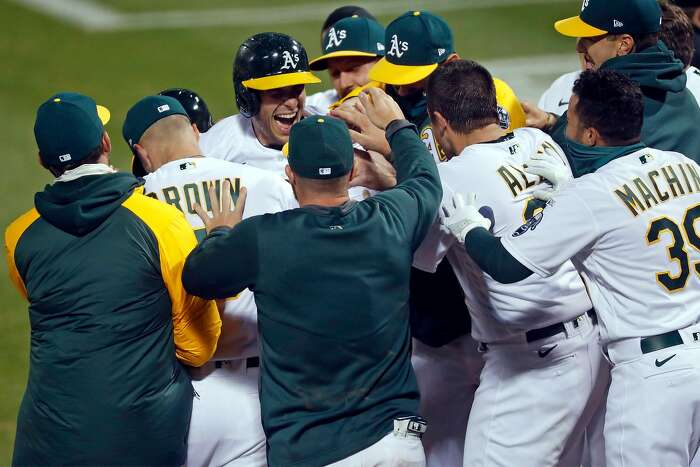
[
  {"x": 414, "y": 202},
  {"x": 436, "y": 244},
  {"x": 196, "y": 322},
  {"x": 225, "y": 262},
  {"x": 554, "y": 235}
]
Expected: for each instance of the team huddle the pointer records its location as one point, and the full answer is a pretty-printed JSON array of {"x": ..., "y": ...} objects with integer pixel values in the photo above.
[{"x": 412, "y": 268}]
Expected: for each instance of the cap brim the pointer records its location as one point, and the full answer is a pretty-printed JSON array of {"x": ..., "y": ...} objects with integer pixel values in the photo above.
[
  {"x": 576, "y": 27},
  {"x": 320, "y": 63},
  {"x": 281, "y": 81},
  {"x": 285, "y": 149},
  {"x": 398, "y": 75},
  {"x": 103, "y": 114}
]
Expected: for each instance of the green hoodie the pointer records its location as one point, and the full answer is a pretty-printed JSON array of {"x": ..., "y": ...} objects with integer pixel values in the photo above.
[
  {"x": 671, "y": 113},
  {"x": 105, "y": 386}
]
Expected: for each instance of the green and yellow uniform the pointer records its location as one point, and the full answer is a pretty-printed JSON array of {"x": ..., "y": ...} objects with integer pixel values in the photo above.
[{"x": 111, "y": 325}]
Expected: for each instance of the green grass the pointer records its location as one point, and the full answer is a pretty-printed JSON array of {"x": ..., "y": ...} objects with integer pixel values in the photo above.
[{"x": 41, "y": 56}]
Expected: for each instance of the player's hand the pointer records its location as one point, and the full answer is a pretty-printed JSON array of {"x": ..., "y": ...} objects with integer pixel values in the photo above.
[
  {"x": 380, "y": 108},
  {"x": 535, "y": 117},
  {"x": 222, "y": 214},
  {"x": 548, "y": 164},
  {"x": 362, "y": 130},
  {"x": 460, "y": 216},
  {"x": 372, "y": 170}
]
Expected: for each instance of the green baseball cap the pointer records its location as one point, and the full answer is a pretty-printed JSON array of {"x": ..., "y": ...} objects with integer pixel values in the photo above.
[
  {"x": 351, "y": 37},
  {"x": 320, "y": 148},
  {"x": 600, "y": 17},
  {"x": 68, "y": 127},
  {"x": 145, "y": 113},
  {"x": 416, "y": 42}
]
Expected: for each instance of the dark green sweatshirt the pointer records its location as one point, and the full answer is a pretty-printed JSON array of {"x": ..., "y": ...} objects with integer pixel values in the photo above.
[
  {"x": 671, "y": 113},
  {"x": 331, "y": 286},
  {"x": 98, "y": 263}
]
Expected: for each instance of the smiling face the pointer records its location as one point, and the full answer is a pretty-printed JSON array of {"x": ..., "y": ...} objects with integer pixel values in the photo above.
[
  {"x": 279, "y": 110},
  {"x": 348, "y": 73}
]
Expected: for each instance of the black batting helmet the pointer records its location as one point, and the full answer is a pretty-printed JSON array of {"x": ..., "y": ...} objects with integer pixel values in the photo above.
[
  {"x": 194, "y": 105},
  {"x": 268, "y": 60}
]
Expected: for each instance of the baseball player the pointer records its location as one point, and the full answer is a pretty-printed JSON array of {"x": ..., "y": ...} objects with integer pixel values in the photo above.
[
  {"x": 350, "y": 48},
  {"x": 538, "y": 336},
  {"x": 676, "y": 33},
  {"x": 445, "y": 359},
  {"x": 225, "y": 428},
  {"x": 269, "y": 74},
  {"x": 630, "y": 227},
  {"x": 623, "y": 35}
]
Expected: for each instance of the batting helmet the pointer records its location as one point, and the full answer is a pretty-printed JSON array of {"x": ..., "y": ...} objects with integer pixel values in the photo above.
[
  {"x": 268, "y": 60},
  {"x": 194, "y": 105}
]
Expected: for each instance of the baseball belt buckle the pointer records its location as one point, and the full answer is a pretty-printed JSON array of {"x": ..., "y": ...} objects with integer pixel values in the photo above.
[{"x": 410, "y": 426}]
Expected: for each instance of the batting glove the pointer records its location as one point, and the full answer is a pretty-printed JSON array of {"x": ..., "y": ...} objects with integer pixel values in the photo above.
[
  {"x": 548, "y": 164},
  {"x": 461, "y": 217}
]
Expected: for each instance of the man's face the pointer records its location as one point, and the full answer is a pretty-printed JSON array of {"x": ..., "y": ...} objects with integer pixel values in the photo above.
[
  {"x": 575, "y": 130},
  {"x": 279, "y": 110},
  {"x": 597, "y": 50},
  {"x": 348, "y": 73}
]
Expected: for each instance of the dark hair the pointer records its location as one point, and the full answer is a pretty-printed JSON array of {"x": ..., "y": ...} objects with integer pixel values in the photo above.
[
  {"x": 644, "y": 41},
  {"x": 464, "y": 93},
  {"x": 611, "y": 103},
  {"x": 92, "y": 158},
  {"x": 677, "y": 32},
  {"x": 345, "y": 12}
]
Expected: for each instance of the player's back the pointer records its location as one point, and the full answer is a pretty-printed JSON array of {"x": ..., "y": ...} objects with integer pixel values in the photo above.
[
  {"x": 495, "y": 172},
  {"x": 184, "y": 182},
  {"x": 233, "y": 139},
  {"x": 644, "y": 268}
]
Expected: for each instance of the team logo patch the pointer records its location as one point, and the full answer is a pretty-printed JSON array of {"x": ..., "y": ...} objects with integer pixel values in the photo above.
[
  {"x": 529, "y": 225},
  {"x": 64, "y": 157},
  {"x": 324, "y": 171},
  {"x": 290, "y": 61},
  {"x": 163, "y": 108},
  {"x": 335, "y": 38},
  {"x": 397, "y": 48}
]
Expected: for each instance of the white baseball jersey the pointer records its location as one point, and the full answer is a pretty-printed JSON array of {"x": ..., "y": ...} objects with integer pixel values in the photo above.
[
  {"x": 693, "y": 82},
  {"x": 632, "y": 230},
  {"x": 321, "y": 101},
  {"x": 556, "y": 98},
  {"x": 233, "y": 139},
  {"x": 494, "y": 171},
  {"x": 225, "y": 424}
]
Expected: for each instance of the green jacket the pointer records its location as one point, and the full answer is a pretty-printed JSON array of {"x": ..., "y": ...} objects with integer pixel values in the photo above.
[
  {"x": 99, "y": 264},
  {"x": 331, "y": 286},
  {"x": 671, "y": 113}
]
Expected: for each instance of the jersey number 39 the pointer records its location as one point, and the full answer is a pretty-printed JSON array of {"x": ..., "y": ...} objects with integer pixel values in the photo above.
[{"x": 677, "y": 250}]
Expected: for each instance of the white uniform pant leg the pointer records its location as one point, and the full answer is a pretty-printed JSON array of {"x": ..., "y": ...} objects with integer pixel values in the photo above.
[
  {"x": 390, "y": 451},
  {"x": 225, "y": 429},
  {"x": 447, "y": 379},
  {"x": 594, "y": 449},
  {"x": 653, "y": 412},
  {"x": 529, "y": 409}
]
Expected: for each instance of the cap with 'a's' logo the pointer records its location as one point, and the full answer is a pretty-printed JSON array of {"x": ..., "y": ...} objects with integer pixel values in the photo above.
[
  {"x": 416, "y": 42},
  {"x": 350, "y": 37},
  {"x": 599, "y": 17}
]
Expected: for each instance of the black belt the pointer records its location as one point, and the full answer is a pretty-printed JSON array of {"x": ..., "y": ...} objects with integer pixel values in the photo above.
[
  {"x": 252, "y": 362},
  {"x": 662, "y": 341},
  {"x": 554, "y": 329}
]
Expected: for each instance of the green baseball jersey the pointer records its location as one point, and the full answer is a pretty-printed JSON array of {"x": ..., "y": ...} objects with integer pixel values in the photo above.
[
  {"x": 331, "y": 285},
  {"x": 99, "y": 264}
]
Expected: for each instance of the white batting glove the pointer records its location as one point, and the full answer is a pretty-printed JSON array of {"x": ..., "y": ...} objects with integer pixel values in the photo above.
[
  {"x": 460, "y": 217},
  {"x": 548, "y": 164}
]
